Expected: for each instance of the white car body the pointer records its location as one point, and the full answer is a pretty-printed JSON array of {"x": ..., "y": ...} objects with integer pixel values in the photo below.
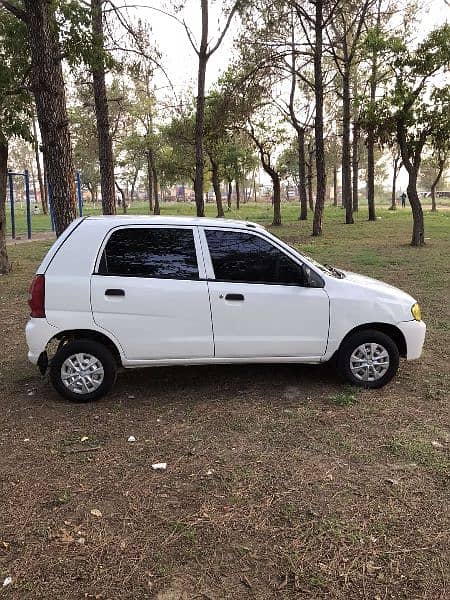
[{"x": 163, "y": 321}]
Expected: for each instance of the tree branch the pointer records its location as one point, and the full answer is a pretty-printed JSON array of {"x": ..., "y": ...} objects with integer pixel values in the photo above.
[{"x": 14, "y": 10}]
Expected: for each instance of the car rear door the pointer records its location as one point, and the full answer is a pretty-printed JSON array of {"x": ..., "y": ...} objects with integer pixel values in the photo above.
[
  {"x": 260, "y": 305},
  {"x": 149, "y": 291}
]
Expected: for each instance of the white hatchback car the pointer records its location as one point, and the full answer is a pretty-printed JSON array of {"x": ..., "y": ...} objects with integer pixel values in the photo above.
[{"x": 147, "y": 291}]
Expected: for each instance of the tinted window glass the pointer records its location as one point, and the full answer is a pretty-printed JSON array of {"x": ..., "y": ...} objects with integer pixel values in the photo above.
[
  {"x": 139, "y": 252},
  {"x": 244, "y": 257}
]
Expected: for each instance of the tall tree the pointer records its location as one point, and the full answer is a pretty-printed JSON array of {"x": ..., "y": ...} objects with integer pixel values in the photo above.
[
  {"x": 204, "y": 53},
  {"x": 373, "y": 82},
  {"x": 105, "y": 145},
  {"x": 315, "y": 17},
  {"x": 15, "y": 106},
  {"x": 415, "y": 110},
  {"x": 47, "y": 83},
  {"x": 431, "y": 171},
  {"x": 266, "y": 139},
  {"x": 344, "y": 40}
]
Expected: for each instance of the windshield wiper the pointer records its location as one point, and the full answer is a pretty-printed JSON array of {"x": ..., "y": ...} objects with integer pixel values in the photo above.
[{"x": 335, "y": 272}]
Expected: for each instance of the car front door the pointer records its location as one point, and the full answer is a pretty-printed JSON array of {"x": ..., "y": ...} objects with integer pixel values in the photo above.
[
  {"x": 261, "y": 304},
  {"x": 149, "y": 291}
]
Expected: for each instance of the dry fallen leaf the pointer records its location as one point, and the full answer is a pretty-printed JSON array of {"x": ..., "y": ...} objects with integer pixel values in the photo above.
[
  {"x": 96, "y": 512},
  {"x": 371, "y": 568},
  {"x": 66, "y": 537}
]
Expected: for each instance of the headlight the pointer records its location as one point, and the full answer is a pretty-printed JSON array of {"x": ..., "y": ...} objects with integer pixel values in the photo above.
[{"x": 416, "y": 312}]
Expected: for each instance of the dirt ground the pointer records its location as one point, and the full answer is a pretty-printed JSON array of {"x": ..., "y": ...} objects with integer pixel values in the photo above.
[{"x": 281, "y": 482}]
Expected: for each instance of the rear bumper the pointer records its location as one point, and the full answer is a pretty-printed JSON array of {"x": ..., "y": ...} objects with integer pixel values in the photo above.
[
  {"x": 38, "y": 333},
  {"x": 414, "y": 332}
]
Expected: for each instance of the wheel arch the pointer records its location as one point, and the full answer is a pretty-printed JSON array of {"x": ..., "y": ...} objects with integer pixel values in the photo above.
[
  {"x": 388, "y": 329},
  {"x": 89, "y": 334}
]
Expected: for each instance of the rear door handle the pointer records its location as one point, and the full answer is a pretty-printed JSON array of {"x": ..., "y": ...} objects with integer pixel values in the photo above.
[
  {"x": 235, "y": 297},
  {"x": 114, "y": 292}
]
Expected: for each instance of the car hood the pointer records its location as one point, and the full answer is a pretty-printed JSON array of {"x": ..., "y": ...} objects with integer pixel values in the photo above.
[{"x": 379, "y": 287}]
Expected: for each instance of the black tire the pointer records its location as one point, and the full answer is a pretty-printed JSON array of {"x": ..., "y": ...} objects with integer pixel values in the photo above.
[
  {"x": 359, "y": 338},
  {"x": 96, "y": 350}
]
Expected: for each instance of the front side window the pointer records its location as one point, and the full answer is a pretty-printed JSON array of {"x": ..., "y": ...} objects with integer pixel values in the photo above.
[
  {"x": 248, "y": 258},
  {"x": 163, "y": 253}
]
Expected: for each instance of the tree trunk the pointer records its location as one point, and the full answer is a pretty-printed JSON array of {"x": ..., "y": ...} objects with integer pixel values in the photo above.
[
  {"x": 124, "y": 199},
  {"x": 229, "y": 193},
  {"x": 371, "y": 130},
  {"x": 238, "y": 195},
  {"x": 156, "y": 210},
  {"x": 411, "y": 163},
  {"x": 346, "y": 148},
  {"x": 318, "y": 123},
  {"x": 418, "y": 236},
  {"x": 309, "y": 178},
  {"x": 216, "y": 186},
  {"x": 335, "y": 186},
  {"x": 4, "y": 262},
  {"x": 303, "y": 197},
  {"x": 355, "y": 166},
  {"x": 394, "y": 183},
  {"x": 42, "y": 187},
  {"x": 276, "y": 198},
  {"x": 49, "y": 91},
  {"x": 371, "y": 172},
  {"x": 200, "y": 112},
  {"x": 435, "y": 183},
  {"x": 149, "y": 180},
  {"x": 133, "y": 183},
  {"x": 105, "y": 149}
]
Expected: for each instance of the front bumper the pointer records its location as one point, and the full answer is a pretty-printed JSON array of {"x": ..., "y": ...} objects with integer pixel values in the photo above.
[
  {"x": 414, "y": 333},
  {"x": 38, "y": 333}
]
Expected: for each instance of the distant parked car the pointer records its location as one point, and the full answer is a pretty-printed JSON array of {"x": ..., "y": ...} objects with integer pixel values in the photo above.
[{"x": 136, "y": 292}]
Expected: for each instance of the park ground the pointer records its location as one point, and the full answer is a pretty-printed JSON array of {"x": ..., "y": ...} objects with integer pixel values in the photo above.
[{"x": 281, "y": 482}]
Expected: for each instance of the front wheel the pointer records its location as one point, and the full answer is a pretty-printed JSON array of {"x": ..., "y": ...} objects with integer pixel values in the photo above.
[
  {"x": 368, "y": 359},
  {"x": 83, "y": 370}
]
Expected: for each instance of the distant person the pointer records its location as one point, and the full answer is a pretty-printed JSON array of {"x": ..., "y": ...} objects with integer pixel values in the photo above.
[{"x": 403, "y": 199}]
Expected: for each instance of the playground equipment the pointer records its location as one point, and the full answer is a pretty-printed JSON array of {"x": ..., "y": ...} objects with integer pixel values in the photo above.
[{"x": 25, "y": 174}]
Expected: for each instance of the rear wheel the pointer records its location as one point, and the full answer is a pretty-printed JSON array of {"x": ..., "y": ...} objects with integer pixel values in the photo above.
[
  {"x": 83, "y": 370},
  {"x": 368, "y": 359}
]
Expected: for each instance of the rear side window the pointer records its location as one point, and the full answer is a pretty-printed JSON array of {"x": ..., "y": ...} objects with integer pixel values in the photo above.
[
  {"x": 248, "y": 258},
  {"x": 163, "y": 253}
]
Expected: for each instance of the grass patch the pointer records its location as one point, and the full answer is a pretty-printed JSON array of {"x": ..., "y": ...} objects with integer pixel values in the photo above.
[
  {"x": 421, "y": 452},
  {"x": 347, "y": 398}
]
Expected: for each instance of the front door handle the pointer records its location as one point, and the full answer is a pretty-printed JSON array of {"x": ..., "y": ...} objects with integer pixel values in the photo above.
[
  {"x": 235, "y": 297},
  {"x": 114, "y": 292}
]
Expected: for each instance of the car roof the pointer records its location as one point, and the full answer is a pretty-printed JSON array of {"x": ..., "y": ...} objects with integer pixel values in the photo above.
[{"x": 117, "y": 220}]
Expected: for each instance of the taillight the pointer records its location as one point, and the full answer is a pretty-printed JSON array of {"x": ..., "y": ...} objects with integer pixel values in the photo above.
[{"x": 36, "y": 299}]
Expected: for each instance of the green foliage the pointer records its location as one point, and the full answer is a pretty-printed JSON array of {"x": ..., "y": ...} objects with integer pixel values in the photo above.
[
  {"x": 287, "y": 163},
  {"x": 15, "y": 99},
  {"x": 413, "y": 109},
  {"x": 73, "y": 19}
]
